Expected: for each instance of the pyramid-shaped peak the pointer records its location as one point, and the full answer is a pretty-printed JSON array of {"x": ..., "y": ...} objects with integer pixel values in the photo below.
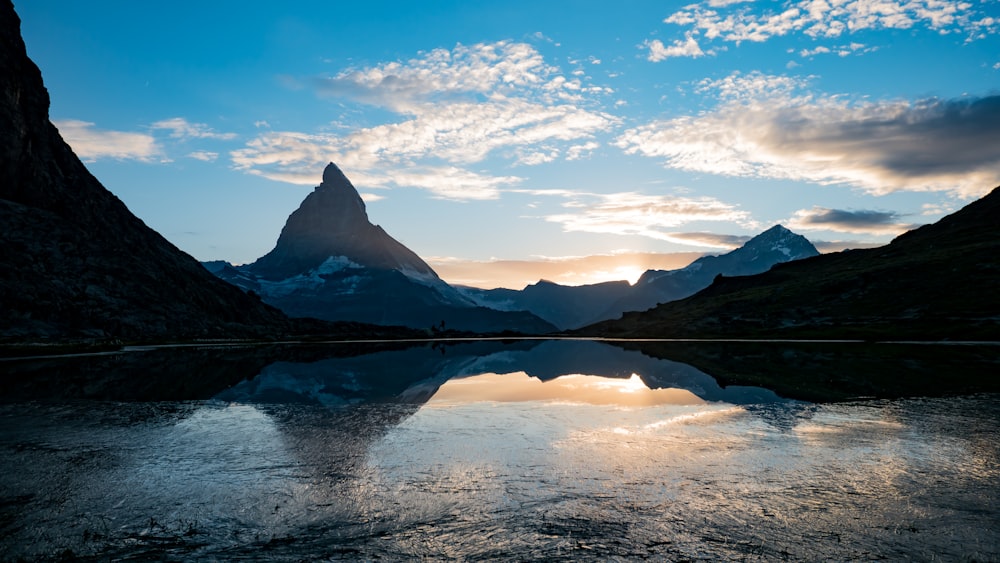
[
  {"x": 332, "y": 222},
  {"x": 778, "y": 229},
  {"x": 333, "y": 177},
  {"x": 780, "y": 239}
]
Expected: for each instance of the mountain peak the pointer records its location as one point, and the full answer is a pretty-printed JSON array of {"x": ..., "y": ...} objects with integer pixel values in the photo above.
[
  {"x": 333, "y": 177},
  {"x": 780, "y": 239},
  {"x": 332, "y": 222},
  {"x": 777, "y": 229}
]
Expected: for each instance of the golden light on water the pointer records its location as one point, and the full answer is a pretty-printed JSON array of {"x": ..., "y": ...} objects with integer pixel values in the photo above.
[{"x": 573, "y": 388}]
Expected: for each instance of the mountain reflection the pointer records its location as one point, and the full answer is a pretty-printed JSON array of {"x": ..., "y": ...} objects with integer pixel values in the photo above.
[
  {"x": 574, "y": 388},
  {"x": 555, "y": 370}
]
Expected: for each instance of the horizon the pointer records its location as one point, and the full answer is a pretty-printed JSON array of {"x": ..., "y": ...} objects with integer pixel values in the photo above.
[{"x": 576, "y": 147}]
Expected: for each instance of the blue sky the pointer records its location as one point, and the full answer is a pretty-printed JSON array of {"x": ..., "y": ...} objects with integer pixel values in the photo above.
[{"x": 510, "y": 141}]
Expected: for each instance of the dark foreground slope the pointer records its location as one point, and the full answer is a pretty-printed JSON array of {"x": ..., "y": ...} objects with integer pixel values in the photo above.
[
  {"x": 73, "y": 260},
  {"x": 936, "y": 282}
]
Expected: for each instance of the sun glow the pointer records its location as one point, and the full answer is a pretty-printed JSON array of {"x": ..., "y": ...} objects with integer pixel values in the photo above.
[{"x": 570, "y": 388}]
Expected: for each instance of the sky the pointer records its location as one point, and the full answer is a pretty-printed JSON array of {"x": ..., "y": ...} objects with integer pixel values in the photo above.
[{"x": 506, "y": 142}]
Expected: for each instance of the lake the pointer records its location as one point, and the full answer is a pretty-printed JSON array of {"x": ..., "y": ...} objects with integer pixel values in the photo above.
[{"x": 501, "y": 450}]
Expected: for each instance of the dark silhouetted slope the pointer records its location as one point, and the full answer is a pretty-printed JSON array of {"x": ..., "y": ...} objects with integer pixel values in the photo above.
[{"x": 73, "y": 260}]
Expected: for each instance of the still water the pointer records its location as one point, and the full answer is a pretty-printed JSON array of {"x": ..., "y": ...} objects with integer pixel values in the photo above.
[{"x": 563, "y": 450}]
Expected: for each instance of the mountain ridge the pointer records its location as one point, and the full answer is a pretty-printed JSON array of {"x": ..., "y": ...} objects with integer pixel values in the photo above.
[
  {"x": 931, "y": 283},
  {"x": 570, "y": 307}
]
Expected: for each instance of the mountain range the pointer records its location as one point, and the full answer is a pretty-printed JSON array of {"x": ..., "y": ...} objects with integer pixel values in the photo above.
[
  {"x": 330, "y": 262},
  {"x": 936, "y": 282},
  {"x": 570, "y": 307}
]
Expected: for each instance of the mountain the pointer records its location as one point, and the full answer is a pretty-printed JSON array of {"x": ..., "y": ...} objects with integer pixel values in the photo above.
[
  {"x": 74, "y": 261},
  {"x": 936, "y": 282},
  {"x": 570, "y": 307},
  {"x": 565, "y": 306},
  {"x": 332, "y": 263},
  {"x": 332, "y": 221},
  {"x": 773, "y": 246}
]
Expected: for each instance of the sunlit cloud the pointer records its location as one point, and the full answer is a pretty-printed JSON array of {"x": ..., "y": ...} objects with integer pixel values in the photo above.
[
  {"x": 653, "y": 216},
  {"x": 91, "y": 144},
  {"x": 768, "y": 127},
  {"x": 298, "y": 158},
  {"x": 449, "y": 109},
  {"x": 867, "y": 222},
  {"x": 577, "y": 152},
  {"x": 181, "y": 128},
  {"x": 441, "y": 74},
  {"x": 687, "y": 47},
  {"x": 565, "y": 270},
  {"x": 819, "y": 19}
]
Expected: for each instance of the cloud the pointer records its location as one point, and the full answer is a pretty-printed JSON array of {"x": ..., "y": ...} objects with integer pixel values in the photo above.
[
  {"x": 712, "y": 240},
  {"x": 576, "y": 152},
  {"x": 688, "y": 47},
  {"x": 181, "y": 128},
  {"x": 825, "y": 246},
  {"x": 778, "y": 131},
  {"x": 653, "y": 216},
  {"x": 866, "y": 222},
  {"x": 567, "y": 270},
  {"x": 483, "y": 69},
  {"x": 91, "y": 144},
  {"x": 759, "y": 22},
  {"x": 204, "y": 156},
  {"x": 448, "y": 109}
]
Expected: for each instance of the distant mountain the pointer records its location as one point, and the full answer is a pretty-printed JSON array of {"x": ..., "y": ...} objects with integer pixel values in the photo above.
[
  {"x": 565, "y": 306},
  {"x": 773, "y": 246},
  {"x": 936, "y": 282},
  {"x": 74, "y": 262},
  {"x": 571, "y": 307},
  {"x": 332, "y": 263}
]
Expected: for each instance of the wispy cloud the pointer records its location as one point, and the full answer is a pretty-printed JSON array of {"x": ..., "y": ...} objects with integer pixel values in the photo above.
[
  {"x": 653, "y": 216},
  {"x": 204, "y": 156},
  {"x": 91, "y": 143},
  {"x": 712, "y": 240},
  {"x": 181, "y": 128},
  {"x": 765, "y": 126},
  {"x": 450, "y": 109},
  {"x": 866, "y": 222}
]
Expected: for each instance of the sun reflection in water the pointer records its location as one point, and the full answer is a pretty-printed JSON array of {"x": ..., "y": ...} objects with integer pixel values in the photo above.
[{"x": 571, "y": 388}]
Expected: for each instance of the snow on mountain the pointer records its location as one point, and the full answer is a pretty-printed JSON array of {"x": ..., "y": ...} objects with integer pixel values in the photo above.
[{"x": 332, "y": 263}]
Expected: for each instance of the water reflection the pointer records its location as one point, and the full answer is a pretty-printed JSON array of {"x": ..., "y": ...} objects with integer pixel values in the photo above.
[
  {"x": 542, "y": 368},
  {"x": 571, "y": 388},
  {"x": 565, "y": 450}
]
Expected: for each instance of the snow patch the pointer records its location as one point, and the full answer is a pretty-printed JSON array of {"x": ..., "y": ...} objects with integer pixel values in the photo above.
[
  {"x": 335, "y": 264},
  {"x": 782, "y": 249},
  {"x": 312, "y": 279}
]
